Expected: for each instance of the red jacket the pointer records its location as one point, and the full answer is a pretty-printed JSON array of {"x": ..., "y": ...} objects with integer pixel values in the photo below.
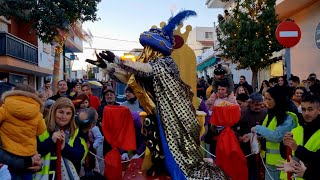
[{"x": 94, "y": 102}]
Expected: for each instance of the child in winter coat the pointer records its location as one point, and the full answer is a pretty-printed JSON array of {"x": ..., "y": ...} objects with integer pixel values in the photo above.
[
  {"x": 21, "y": 122},
  {"x": 222, "y": 74}
]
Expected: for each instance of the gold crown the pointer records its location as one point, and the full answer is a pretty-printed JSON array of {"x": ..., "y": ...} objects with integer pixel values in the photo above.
[{"x": 184, "y": 35}]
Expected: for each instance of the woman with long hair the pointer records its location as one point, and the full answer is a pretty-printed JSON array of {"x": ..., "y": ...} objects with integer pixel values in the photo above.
[
  {"x": 282, "y": 81},
  {"x": 277, "y": 122},
  {"x": 241, "y": 90},
  {"x": 264, "y": 87},
  {"x": 297, "y": 95},
  {"x": 61, "y": 127}
]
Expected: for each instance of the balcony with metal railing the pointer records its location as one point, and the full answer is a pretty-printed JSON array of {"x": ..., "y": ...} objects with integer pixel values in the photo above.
[{"x": 17, "y": 48}]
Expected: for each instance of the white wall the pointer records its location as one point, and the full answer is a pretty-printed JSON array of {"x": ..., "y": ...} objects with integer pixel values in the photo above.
[
  {"x": 207, "y": 53},
  {"x": 193, "y": 43},
  {"x": 3, "y": 26},
  {"x": 264, "y": 74},
  {"x": 198, "y": 34},
  {"x": 78, "y": 74},
  {"x": 45, "y": 55}
]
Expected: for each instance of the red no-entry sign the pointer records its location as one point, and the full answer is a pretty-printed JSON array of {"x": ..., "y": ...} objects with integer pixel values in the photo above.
[{"x": 288, "y": 34}]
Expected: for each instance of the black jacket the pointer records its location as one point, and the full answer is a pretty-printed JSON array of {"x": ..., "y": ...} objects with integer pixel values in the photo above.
[
  {"x": 57, "y": 96},
  {"x": 312, "y": 171}
]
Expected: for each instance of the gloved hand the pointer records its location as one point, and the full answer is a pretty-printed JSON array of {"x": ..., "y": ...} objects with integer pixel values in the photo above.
[
  {"x": 124, "y": 157},
  {"x": 99, "y": 62},
  {"x": 108, "y": 56},
  {"x": 136, "y": 156}
]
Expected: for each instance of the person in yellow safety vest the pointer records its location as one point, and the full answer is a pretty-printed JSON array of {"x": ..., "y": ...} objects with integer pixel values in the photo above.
[
  {"x": 61, "y": 126},
  {"x": 277, "y": 122},
  {"x": 304, "y": 140}
]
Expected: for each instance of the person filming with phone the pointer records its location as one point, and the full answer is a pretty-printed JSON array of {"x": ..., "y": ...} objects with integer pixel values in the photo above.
[{"x": 304, "y": 142}]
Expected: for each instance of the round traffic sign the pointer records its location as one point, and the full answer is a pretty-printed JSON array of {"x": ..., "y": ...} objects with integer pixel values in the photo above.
[{"x": 288, "y": 34}]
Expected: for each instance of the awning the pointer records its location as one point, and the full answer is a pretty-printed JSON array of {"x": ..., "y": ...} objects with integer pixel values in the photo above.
[{"x": 206, "y": 63}]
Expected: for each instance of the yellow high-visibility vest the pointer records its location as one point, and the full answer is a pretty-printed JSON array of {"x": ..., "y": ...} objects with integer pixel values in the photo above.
[
  {"x": 45, "y": 172},
  {"x": 272, "y": 153},
  {"x": 313, "y": 144}
]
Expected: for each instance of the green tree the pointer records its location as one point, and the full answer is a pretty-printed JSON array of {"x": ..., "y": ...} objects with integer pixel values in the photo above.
[
  {"x": 247, "y": 35},
  {"x": 52, "y": 20}
]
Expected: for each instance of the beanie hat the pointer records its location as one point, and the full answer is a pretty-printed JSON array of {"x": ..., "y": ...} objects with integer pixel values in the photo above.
[
  {"x": 219, "y": 70},
  {"x": 162, "y": 40}
]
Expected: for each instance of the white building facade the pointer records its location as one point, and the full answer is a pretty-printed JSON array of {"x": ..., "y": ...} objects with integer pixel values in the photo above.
[
  {"x": 201, "y": 38},
  {"x": 47, "y": 56}
]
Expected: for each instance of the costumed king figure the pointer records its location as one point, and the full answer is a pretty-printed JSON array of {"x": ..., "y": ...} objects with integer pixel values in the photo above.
[{"x": 156, "y": 81}]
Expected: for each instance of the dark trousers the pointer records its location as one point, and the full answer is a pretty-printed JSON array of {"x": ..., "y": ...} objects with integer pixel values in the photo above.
[{"x": 251, "y": 161}]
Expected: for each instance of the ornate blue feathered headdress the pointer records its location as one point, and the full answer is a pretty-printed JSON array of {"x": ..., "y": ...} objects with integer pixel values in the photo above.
[{"x": 162, "y": 39}]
